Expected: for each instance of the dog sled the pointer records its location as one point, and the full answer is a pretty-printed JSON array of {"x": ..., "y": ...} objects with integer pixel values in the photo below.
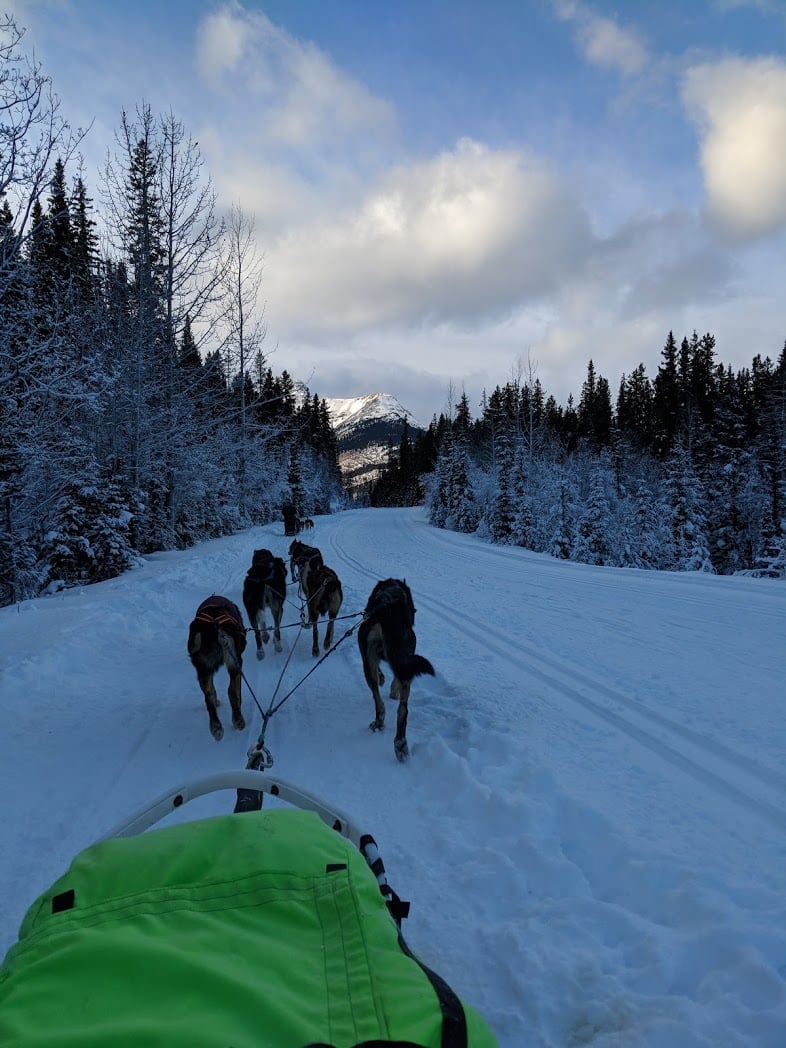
[
  {"x": 260, "y": 927},
  {"x": 291, "y": 519}
]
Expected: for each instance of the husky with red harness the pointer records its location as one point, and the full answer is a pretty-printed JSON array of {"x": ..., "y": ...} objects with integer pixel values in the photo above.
[{"x": 217, "y": 637}]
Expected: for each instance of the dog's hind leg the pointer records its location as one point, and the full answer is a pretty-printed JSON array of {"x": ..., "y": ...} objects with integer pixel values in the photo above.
[
  {"x": 260, "y": 635},
  {"x": 265, "y": 634},
  {"x": 400, "y": 690},
  {"x": 238, "y": 721},
  {"x": 370, "y": 652},
  {"x": 379, "y": 721},
  {"x": 211, "y": 702},
  {"x": 329, "y": 631},
  {"x": 333, "y": 608},
  {"x": 233, "y": 660},
  {"x": 277, "y": 610}
]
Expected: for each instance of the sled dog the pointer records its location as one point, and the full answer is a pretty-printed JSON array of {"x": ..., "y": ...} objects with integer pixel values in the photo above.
[
  {"x": 265, "y": 586},
  {"x": 386, "y": 633},
  {"x": 217, "y": 637},
  {"x": 302, "y": 559},
  {"x": 321, "y": 588}
]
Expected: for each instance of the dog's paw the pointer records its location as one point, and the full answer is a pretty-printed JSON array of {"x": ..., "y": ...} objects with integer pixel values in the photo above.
[
  {"x": 401, "y": 748},
  {"x": 217, "y": 731},
  {"x": 377, "y": 724},
  {"x": 260, "y": 653}
]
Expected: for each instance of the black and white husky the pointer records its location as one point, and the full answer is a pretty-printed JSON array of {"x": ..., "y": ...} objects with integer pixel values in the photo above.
[
  {"x": 265, "y": 586},
  {"x": 387, "y": 633}
]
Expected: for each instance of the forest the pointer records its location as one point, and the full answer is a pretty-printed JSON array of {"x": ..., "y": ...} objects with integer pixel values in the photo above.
[
  {"x": 139, "y": 410},
  {"x": 684, "y": 472}
]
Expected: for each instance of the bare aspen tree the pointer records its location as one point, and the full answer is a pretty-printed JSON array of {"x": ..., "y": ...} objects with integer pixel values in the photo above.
[
  {"x": 32, "y": 135},
  {"x": 243, "y": 319},
  {"x": 192, "y": 232},
  {"x": 192, "y": 236}
]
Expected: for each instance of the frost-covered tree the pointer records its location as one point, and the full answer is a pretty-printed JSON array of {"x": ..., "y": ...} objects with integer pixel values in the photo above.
[
  {"x": 453, "y": 504},
  {"x": 686, "y": 499},
  {"x": 563, "y": 515},
  {"x": 88, "y": 536},
  {"x": 501, "y": 512},
  {"x": 593, "y": 544}
]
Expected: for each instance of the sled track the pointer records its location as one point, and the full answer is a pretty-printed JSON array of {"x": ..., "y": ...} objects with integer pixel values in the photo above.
[{"x": 707, "y": 761}]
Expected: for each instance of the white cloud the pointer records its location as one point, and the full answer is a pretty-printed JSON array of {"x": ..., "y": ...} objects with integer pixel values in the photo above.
[
  {"x": 603, "y": 42},
  {"x": 739, "y": 107},
  {"x": 297, "y": 97},
  {"x": 220, "y": 44},
  {"x": 467, "y": 235}
]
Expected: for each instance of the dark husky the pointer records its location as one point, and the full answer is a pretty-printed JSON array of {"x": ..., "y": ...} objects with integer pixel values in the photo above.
[
  {"x": 323, "y": 594},
  {"x": 386, "y": 633},
  {"x": 302, "y": 559},
  {"x": 265, "y": 586},
  {"x": 217, "y": 637}
]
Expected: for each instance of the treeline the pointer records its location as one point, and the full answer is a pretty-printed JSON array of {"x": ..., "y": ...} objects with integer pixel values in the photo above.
[
  {"x": 683, "y": 472},
  {"x": 138, "y": 411}
]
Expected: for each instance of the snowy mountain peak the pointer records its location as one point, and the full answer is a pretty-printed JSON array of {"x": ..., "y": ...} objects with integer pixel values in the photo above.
[
  {"x": 365, "y": 429},
  {"x": 373, "y": 407}
]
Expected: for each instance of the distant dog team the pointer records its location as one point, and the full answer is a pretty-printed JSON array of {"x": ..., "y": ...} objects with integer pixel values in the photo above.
[{"x": 217, "y": 634}]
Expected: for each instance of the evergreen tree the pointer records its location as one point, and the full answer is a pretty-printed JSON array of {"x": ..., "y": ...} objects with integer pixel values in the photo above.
[
  {"x": 592, "y": 545},
  {"x": 667, "y": 399},
  {"x": 85, "y": 255},
  {"x": 690, "y": 548},
  {"x": 501, "y": 515},
  {"x": 635, "y": 413},
  {"x": 563, "y": 535}
]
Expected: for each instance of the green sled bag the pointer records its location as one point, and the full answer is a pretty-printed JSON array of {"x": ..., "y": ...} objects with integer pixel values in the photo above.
[{"x": 266, "y": 928}]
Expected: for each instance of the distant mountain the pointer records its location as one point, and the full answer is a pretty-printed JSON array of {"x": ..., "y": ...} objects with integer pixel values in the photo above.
[{"x": 365, "y": 427}]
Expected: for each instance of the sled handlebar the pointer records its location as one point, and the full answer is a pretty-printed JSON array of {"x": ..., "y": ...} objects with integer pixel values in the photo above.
[{"x": 240, "y": 779}]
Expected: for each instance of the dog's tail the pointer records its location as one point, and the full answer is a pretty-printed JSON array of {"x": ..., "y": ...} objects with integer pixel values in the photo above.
[
  {"x": 194, "y": 639},
  {"x": 407, "y": 667}
]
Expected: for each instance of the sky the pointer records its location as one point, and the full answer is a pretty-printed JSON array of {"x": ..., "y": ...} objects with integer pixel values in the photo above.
[
  {"x": 449, "y": 195},
  {"x": 590, "y": 828}
]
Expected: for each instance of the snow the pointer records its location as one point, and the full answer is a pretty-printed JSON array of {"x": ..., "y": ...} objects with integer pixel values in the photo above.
[
  {"x": 591, "y": 826},
  {"x": 350, "y": 411}
]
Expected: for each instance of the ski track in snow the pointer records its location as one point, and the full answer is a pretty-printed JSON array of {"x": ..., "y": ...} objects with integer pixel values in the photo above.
[
  {"x": 685, "y": 748},
  {"x": 593, "y": 848}
]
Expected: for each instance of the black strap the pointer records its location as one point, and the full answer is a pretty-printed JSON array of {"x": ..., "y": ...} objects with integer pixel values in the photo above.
[
  {"x": 370, "y": 1044},
  {"x": 454, "y": 1021}
]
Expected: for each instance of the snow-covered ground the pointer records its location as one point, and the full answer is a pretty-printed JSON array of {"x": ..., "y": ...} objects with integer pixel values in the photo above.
[{"x": 592, "y": 823}]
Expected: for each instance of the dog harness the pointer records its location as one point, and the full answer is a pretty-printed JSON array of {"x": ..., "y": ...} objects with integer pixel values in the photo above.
[
  {"x": 261, "y": 572},
  {"x": 220, "y": 611},
  {"x": 389, "y": 595}
]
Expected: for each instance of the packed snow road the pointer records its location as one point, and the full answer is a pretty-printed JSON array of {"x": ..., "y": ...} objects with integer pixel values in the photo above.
[{"x": 583, "y": 651}]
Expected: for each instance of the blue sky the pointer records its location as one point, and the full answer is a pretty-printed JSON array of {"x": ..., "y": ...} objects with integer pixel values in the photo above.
[{"x": 447, "y": 194}]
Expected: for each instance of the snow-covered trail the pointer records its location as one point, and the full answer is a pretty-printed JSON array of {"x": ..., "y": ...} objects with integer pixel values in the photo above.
[
  {"x": 590, "y": 651},
  {"x": 591, "y": 827}
]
